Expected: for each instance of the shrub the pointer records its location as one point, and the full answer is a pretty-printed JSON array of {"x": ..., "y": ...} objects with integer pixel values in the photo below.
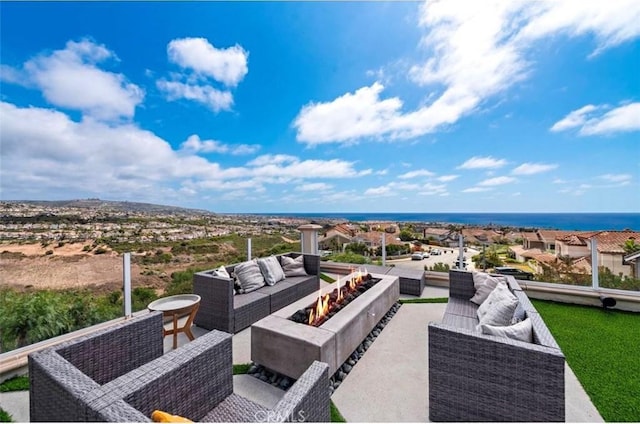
[
  {"x": 141, "y": 297},
  {"x": 100, "y": 251},
  {"x": 439, "y": 267},
  {"x": 49, "y": 252},
  {"x": 349, "y": 257},
  {"x": 181, "y": 282}
]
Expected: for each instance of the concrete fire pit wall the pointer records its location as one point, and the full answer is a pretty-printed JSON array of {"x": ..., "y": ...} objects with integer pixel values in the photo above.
[{"x": 289, "y": 348}]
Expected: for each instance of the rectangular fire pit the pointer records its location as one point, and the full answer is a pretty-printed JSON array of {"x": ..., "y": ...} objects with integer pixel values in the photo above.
[{"x": 289, "y": 347}]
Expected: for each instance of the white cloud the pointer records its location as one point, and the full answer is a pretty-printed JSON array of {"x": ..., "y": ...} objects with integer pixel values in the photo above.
[
  {"x": 475, "y": 51},
  {"x": 417, "y": 173},
  {"x": 203, "y": 64},
  {"x": 272, "y": 160},
  {"x": 349, "y": 117},
  {"x": 193, "y": 144},
  {"x": 611, "y": 23},
  {"x": 215, "y": 99},
  {"x": 574, "y": 119},
  {"x": 378, "y": 191},
  {"x": 45, "y": 149},
  {"x": 477, "y": 162},
  {"x": 496, "y": 181},
  {"x": 431, "y": 189},
  {"x": 624, "y": 118},
  {"x": 228, "y": 66},
  {"x": 616, "y": 178},
  {"x": 314, "y": 187},
  {"x": 12, "y": 76},
  {"x": 245, "y": 149},
  {"x": 447, "y": 178},
  {"x": 70, "y": 78},
  {"x": 533, "y": 168},
  {"x": 476, "y": 189}
]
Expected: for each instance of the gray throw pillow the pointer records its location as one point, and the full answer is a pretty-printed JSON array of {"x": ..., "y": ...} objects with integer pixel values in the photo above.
[
  {"x": 522, "y": 331},
  {"x": 498, "y": 308},
  {"x": 249, "y": 276},
  {"x": 271, "y": 270},
  {"x": 484, "y": 285},
  {"x": 293, "y": 267}
]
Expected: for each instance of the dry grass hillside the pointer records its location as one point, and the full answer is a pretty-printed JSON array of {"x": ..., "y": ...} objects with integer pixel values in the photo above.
[{"x": 27, "y": 266}]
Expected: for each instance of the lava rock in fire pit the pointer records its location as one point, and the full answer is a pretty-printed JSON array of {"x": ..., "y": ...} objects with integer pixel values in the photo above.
[{"x": 300, "y": 316}]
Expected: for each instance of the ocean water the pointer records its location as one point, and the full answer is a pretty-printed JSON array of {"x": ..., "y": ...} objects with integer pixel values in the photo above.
[{"x": 557, "y": 221}]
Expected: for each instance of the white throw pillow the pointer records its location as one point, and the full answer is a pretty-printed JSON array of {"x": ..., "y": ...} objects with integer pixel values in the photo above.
[
  {"x": 521, "y": 331},
  {"x": 498, "y": 308},
  {"x": 293, "y": 267},
  {"x": 249, "y": 276},
  {"x": 271, "y": 270},
  {"x": 484, "y": 285},
  {"x": 221, "y": 272}
]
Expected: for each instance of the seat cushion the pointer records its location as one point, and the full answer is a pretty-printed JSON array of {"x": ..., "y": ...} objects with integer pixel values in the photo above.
[
  {"x": 245, "y": 299},
  {"x": 462, "y": 307}
]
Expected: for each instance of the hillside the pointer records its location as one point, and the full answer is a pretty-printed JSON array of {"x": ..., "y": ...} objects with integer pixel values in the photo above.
[{"x": 113, "y": 206}]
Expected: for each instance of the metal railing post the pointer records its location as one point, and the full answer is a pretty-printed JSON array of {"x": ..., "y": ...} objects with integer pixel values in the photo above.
[
  {"x": 126, "y": 286},
  {"x": 594, "y": 264}
]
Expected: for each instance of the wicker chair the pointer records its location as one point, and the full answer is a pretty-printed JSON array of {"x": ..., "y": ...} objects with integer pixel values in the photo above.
[{"x": 120, "y": 375}]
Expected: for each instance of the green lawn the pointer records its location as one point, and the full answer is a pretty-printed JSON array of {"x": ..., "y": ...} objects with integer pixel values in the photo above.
[{"x": 603, "y": 350}]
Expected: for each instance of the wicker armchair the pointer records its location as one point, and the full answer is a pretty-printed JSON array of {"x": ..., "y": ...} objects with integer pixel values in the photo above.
[{"x": 120, "y": 375}]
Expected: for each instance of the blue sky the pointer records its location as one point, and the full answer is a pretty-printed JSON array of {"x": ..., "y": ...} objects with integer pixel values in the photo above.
[{"x": 257, "y": 107}]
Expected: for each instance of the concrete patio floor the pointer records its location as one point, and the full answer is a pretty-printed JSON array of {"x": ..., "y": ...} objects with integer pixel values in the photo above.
[{"x": 389, "y": 384}]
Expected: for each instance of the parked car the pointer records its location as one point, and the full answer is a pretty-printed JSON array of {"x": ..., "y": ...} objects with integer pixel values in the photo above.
[
  {"x": 517, "y": 273},
  {"x": 435, "y": 251},
  {"x": 417, "y": 256}
]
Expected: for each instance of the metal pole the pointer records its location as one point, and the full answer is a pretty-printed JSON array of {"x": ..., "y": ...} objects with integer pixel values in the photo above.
[
  {"x": 461, "y": 251},
  {"x": 594, "y": 264},
  {"x": 126, "y": 277},
  {"x": 384, "y": 250},
  {"x": 249, "y": 249}
]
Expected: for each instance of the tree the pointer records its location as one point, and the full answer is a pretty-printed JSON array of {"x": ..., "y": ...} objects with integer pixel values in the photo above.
[
  {"x": 406, "y": 235},
  {"x": 630, "y": 246}
]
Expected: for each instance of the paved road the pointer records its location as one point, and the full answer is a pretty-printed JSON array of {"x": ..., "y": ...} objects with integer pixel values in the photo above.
[{"x": 449, "y": 257}]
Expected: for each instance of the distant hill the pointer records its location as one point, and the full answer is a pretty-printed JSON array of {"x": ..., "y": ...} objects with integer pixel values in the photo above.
[{"x": 113, "y": 205}]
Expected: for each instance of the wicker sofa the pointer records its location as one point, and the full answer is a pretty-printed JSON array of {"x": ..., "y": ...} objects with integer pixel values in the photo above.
[
  {"x": 480, "y": 377},
  {"x": 220, "y": 309},
  {"x": 120, "y": 375}
]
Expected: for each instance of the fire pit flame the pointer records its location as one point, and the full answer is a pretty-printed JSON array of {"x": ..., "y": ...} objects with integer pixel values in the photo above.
[{"x": 335, "y": 300}]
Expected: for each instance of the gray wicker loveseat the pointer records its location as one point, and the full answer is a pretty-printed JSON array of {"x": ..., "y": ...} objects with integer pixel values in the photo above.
[
  {"x": 481, "y": 377},
  {"x": 120, "y": 375},
  {"x": 221, "y": 308}
]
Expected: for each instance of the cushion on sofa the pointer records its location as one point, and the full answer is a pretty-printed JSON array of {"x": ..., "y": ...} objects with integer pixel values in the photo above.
[
  {"x": 519, "y": 314},
  {"x": 271, "y": 270},
  {"x": 498, "y": 308},
  {"x": 521, "y": 331},
  {"x": 293, "y": 267},
  {"x": 249, "y": 276},
  {"x": 484, "y": 285},
  {"x": 221, "y": 272}
]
